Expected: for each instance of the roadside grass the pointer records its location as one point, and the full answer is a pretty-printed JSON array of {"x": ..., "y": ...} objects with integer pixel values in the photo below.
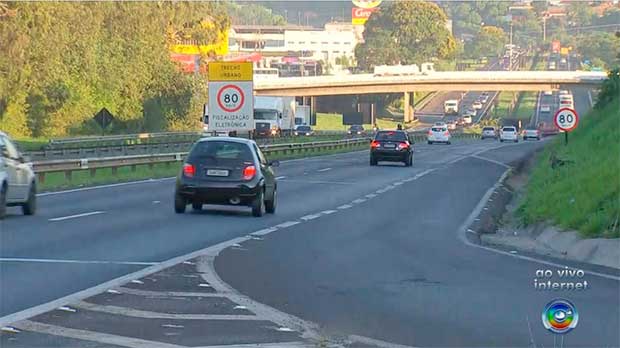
[
  {"x": 504, "y": 100},
  {"x": 31, "y": 144},
  {"x": 526, "y": 107},
  {"x": 583, "y": 193},
  {"x": 334, "y": 122},
  {"x": 83, "y": 178}
]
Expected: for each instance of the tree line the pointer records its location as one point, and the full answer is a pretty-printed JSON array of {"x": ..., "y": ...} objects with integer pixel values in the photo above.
[{"x": 61, "y": 62}]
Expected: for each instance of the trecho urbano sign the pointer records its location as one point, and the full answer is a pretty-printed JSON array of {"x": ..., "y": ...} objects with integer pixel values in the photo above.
[{"x": 231, "y": 101}]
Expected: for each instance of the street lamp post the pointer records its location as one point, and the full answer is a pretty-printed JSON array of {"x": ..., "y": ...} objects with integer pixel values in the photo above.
[{"x": 510, "y": 62}]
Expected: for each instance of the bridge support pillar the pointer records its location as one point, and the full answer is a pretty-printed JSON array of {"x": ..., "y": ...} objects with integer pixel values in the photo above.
[
  {"x": 311, "y": 101},
  {"x": 408, "y": 109}
]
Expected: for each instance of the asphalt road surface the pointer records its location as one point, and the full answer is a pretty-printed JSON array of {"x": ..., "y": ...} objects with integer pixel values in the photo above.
[
  {"x": 373, "y": 251},
  {"x": 394, "y": 268}
]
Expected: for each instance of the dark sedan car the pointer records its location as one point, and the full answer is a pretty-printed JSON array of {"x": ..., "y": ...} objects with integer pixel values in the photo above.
[
  {"x": 304, "y": 130},
  {"x": 223, "y": 170},
  {"x": 392, "y": 146},
  {"x": 356, "y": 130}
]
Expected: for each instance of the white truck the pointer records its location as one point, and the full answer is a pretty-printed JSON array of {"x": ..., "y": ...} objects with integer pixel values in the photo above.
[
  {"x": 274, "y": 116},
  {"x": 451, "y": 107}
]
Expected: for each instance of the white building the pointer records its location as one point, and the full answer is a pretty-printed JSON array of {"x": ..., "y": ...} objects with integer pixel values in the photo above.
[{"x": 334, "y": 41}]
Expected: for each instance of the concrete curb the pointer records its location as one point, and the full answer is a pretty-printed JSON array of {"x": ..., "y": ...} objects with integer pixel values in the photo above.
[{"x": 490, "y": 228}]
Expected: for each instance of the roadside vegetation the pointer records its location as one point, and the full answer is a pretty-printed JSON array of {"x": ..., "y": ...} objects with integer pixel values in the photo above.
[
  {"x": 577, "y": 186},
  {"x": 334, "y": 122}
]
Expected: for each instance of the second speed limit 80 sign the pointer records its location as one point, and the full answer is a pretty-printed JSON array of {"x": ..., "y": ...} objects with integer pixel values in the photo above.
[
  {"x": 566, "y": 119},
  {"x": 231, "y": 101}
]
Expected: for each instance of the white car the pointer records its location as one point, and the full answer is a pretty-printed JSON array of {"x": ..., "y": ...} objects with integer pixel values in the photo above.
[
  {"x": 488, "y": 132},
  {"x": 509, "y": 133},
  {"x": 548, "y": 92},
  {"x": 17, "y": 180},
  {"x": 438, "y": 135},
  {"x": 563, "y": 92},
  {"x": 545, "y": 108},
  {"x": 477, "y": 105},
  {"x": 467, "y": 119},
  {"x": 531, "y": 133}
]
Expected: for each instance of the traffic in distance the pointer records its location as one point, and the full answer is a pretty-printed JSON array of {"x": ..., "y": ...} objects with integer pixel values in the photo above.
[{"x": 197, "y": 208}]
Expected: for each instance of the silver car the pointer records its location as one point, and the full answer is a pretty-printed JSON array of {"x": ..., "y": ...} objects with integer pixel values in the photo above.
[
  {"x": 17, "y": 180},
  {"x": 488, "y": 132}
]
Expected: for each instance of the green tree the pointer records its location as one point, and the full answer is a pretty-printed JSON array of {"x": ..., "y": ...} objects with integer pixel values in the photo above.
[
  {"x": 408, "y": 32},
  {"x": 580, "y": 13},
  {"x": 489, "y": 42},
  {"x": 600, "y": 45}
]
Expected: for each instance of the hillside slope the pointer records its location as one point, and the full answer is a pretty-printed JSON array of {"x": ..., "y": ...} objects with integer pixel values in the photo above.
[{"x": 583, "y": 193}]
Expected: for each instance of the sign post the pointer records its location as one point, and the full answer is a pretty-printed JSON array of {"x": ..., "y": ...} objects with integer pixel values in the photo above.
[
  {"x": 566, "y": 119},
  {"x": 231, "y": 97}
]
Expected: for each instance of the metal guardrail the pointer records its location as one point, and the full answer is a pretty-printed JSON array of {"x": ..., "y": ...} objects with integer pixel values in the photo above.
[{"x": 68, "y": 166}]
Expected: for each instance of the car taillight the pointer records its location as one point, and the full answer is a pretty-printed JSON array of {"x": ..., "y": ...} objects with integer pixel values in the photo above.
[
  {"x": 430, "y": 132},
  {"x": 374, "y": 144},
  {"x": 249, "y": 172},
  {"x": 446, "y": 133},
  {"x": 403, "y": 145},
  {"x": 189, "y": 170}
]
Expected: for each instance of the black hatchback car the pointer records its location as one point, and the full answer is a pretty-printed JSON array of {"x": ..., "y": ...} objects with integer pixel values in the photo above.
[
  {"x": 230, "y": 171},
  {"x": 392, "y": 146}
]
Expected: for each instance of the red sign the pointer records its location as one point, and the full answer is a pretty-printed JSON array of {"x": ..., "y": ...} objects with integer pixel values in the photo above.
[
  {"x": 566, "y": 119},
  {"x": 555, "y": 46},
  {"x": 359, "y": 16}
]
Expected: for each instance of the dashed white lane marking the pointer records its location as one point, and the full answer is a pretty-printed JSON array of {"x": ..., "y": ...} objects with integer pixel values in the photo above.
[
  {"x": 324, "y": 170},
  {"x": 95, "y": 262},
  {"x": 104, "y": 186},
  {"x": 310, "y": 217},
  {"x": 68, "y": 217},
  {"x": 371, "y": 195},
  {"x": 264, "y": 231},
  {"x": 345, "y": 206},
  {"x": 389, "y": 187},
  {"x": 280, "y": 177},
  {"x": 287, "y": 224},
  {"x": 320, "y": 182},
  {"x": 491, "y": 160},
  {"x": 398, "y": 183},
  {"x": 327, "y": 212},
  {"x": 358, "y": 201},
  {"x": 156, "y": 202}
]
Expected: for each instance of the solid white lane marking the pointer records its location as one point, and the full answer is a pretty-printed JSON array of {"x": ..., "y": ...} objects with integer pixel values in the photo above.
[
  {"x": 287, "y": 224},
  {"x": 463, "y": 229},
  {"x": 345, "y": 206},
  {"x": 310, "y": 217},
  {"x": 156, "y": 202},
  {"x": 62, "y": 218},
  {"x": 86, "y": 335},
  {"x": 398, "y": 183},
  {"x": 327, "y": 212},
  {"x": 371, "y": 195},
  {"x": 280, "y": 177},
  {"x": 324, "y": 170},
  {"x": 95, "y": 262},
  {"x": 491, "y": 161},
  {"x": 359, "y": 200},
  {"x": 389, "y": 187},
  {"x": 264, "y": 231}
]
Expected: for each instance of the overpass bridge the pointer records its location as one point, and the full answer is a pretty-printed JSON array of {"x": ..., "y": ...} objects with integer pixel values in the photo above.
[{"x": 314, "y": 86}]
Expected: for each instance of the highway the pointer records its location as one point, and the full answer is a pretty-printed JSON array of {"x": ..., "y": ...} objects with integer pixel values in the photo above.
[{"x": 373, "y": 251}]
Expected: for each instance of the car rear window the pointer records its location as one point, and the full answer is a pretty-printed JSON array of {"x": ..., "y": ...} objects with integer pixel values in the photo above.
[
  {"x": 357, "y": 128},
  {"x": 394, "y": 136},
  {"x": 220, "y": 153},
  {"x": 488, "y": 129},
  {"x": 509, "y": 129},
  {"x": 438, "y": 129}
]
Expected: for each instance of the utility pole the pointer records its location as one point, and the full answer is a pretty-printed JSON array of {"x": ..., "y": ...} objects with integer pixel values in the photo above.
[
  {"x": 544, "y": 28},
  {"x": 510, "y": 62}
]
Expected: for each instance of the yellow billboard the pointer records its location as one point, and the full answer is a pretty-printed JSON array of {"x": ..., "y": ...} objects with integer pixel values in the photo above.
[
  {"x": 220, "y": 47},
  {"x": 564, "y": 51}
]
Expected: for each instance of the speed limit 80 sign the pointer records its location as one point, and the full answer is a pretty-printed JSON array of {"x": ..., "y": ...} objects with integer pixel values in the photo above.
[
  {"x": 566, "y": 119},
  {"x": 231, "y": 90}
]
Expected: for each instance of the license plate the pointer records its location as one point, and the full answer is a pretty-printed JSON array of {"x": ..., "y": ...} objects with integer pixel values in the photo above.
[
  {"x": 217, "y": 172},
  {"x": 389, "y": 146}
]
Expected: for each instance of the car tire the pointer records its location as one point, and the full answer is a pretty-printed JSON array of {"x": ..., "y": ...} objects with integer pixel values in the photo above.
[
  {"x": 2, "y": 202},
  {"x": 258, "y": 204},
  {"x": 430, "y": 142},
  {"x": 409, "y": 161},
  {"x": 179, "y": 204},
  {"x": 373, "y": 161},
  {"x": 516, "y": 141},
  {"x": 30, "y": 207},
  {"x": 448, "y": 143},
  {"x": 197, "y": 206},
  {"x": 501, "y": 140},
  {"x": 538, "y": 138},
  {"x": 270, "y": 206}
]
